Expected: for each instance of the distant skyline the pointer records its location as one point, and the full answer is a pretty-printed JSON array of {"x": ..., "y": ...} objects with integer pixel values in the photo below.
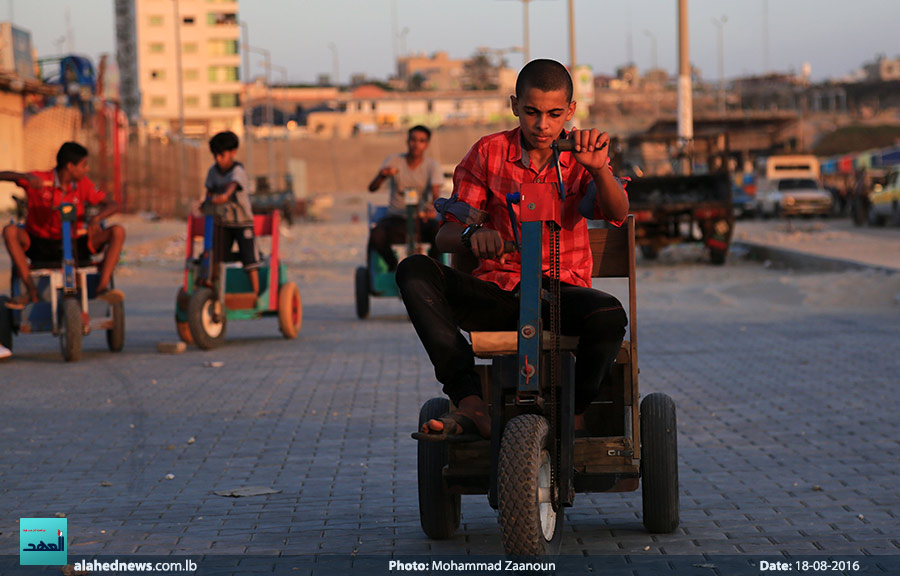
[{"x": 835, "y": 38}]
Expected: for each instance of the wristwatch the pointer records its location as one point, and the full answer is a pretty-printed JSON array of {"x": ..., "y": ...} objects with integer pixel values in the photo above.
[{"x": 466, "y": 236}]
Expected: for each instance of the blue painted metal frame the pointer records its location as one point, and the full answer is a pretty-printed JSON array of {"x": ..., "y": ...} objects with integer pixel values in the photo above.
[
  {"x": 68, "y": 215},
  {"x": 530, "y": 304}
]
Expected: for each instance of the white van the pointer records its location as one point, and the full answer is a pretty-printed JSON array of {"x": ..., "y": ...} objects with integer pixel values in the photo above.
[{"x": 792, "y": 186}]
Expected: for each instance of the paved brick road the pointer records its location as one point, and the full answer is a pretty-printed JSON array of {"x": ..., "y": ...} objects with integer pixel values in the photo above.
[{"x": 788, "y": 441}]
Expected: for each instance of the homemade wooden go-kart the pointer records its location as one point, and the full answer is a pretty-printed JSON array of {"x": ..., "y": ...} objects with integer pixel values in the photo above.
[
  {"x": 374, "y": 279},
  {"x": 216, "y": 288},
  {"x": 68, "y": 305},
  {"x": 533, "y": 464}
]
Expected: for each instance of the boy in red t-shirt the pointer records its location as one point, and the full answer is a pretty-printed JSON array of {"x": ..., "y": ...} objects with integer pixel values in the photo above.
[{"x": 41, "y": 238}]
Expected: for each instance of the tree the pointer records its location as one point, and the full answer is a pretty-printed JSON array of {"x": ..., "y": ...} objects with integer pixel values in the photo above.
[{"x": 481, "y": 74}]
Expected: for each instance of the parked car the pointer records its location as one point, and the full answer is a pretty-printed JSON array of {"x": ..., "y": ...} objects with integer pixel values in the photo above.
[
  {"x": 795, "y": 196},
  {"x": 884, "y": 201}
]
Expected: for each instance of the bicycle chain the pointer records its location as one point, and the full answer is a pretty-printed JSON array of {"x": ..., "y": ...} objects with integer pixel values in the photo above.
[{"x": 555, "y": 376}]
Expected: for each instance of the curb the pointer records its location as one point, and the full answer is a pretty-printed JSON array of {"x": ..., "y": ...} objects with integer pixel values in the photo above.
[{"x": 784, "y": 258}]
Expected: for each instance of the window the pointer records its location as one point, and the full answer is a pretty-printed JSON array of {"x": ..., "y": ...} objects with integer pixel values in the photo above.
[
  {"x": 223, "y": 74},
  {"x": 220, "y": 47},
  {"x": 224, "y": 100},
  {"x": 155, "y": 20},
  {"x": 158, "y": 74},
  {"x": 191, "y": 74},
  {"x": 158, "y": 102},
  {"x": 221, "y": 19},
  {"x": 188, "y": 20},
  {"x": 191, "y": 102},
  {"x": 157, "y": 48},
  {"x": 189, "y": 48}
]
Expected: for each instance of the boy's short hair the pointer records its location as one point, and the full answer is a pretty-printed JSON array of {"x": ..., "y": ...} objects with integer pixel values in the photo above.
[
  {"x": 545, "y": 75},
  {"x": 223, "y": 142},
  {"x": 70, "y": 153},
  {"x": 419, "y": 128}
]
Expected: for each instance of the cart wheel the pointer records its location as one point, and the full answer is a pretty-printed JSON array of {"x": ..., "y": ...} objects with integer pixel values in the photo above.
[
  {"x": 717, "y": 257},
  {"x": 6, "y": 325},
  {"x": 70, "y": 337},
  {"x": 206, "y": 319},
  {"x": 529, "y": 525},
  {"x": 290, "y": 310},
  {"x": 181, "y": 325},
  {"x": 362, "y": 292},
  {"x": 438, "y": 510},
  {"x": 115, "y": 336},
  {"x": 659, "y": 464}
]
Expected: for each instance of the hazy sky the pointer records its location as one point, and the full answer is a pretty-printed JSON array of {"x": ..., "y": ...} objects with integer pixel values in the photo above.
[{"x": 834, "y": 37}]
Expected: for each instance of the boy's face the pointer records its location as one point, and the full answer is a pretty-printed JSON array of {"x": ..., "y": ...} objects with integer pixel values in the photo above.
[
  {"x": 224, "y": 160},
  {"x": 541, "y": 115},
  {"x": 417, "y": 143},
  {"x": 78, "y": 170}
]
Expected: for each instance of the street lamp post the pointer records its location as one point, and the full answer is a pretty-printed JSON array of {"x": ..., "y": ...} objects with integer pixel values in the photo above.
[
  {"x": 334, "y": 62},
  {"x": 720, "y": 26},
  {"x": 653, "y": 48}
]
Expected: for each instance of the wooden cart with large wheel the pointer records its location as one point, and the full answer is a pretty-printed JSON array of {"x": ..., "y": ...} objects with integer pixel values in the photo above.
[
  {"x": 216, "y": 289},
  {"x": 532, "y": 466}
]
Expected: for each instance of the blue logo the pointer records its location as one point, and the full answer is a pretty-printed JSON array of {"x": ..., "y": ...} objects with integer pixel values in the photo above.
[{"x": 42, "y": 541}]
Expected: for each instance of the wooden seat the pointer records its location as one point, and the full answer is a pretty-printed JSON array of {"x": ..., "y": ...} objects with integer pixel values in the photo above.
[{"x": 612, "y": 250}]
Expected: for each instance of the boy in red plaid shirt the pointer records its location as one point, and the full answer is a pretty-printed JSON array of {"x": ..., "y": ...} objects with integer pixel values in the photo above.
[{"x": 441, "y": 300}]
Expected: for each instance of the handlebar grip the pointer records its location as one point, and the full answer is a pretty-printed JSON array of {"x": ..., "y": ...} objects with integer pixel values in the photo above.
[
  {"x": 564, "y": 145},
  {"x": 569, "y": 146}
]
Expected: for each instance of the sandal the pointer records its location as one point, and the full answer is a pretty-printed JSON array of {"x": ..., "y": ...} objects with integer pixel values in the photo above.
[{"x": 468, "y": 431}]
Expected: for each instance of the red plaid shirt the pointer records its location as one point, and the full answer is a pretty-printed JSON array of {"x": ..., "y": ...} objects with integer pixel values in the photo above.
[
  {"x": 494, "y": 167},
  {"x": 43, "y": 219}
]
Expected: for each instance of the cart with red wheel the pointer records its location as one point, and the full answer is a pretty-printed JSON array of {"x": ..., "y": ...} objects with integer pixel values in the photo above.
[{"x": 216, "y": 289}]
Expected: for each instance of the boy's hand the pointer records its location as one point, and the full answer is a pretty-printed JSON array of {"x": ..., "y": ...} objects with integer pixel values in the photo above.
[
  {"x": 591, "y": 148},
  {"x": 33, "y": 182},
  {"x": 387, "y": 172},
  {"x": 487, "y": 243}
]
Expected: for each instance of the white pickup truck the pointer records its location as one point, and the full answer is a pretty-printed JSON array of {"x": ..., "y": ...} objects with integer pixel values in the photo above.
[{"x": 792, "y": 187}]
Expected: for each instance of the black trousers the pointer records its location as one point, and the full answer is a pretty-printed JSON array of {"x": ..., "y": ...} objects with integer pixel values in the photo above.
[
  {"x": 391, "y": 230},
  {"x": 441, "y": 300}
]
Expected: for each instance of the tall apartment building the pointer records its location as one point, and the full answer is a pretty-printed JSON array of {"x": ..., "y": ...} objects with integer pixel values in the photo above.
[{"x": 198, "y": 39}]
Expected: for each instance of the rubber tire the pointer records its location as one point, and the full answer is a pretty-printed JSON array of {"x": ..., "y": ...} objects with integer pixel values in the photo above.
[
  {"x": 650, "y": 252},
  {"x": 199, "y": 305},
  {"x": 362, "y": 292},
  {"x": 717, "y": 257},
  {"x": 6, "y": 324},
  {"x": 115, "y": 336},
  {"x": 181, "y": 303},
  {"x": 523, "y": 449},
  {"x": 439, "y": 511},
  {"x": 71, "y": 333},
  {"x": 290, "y": 310},
  {"x": 659, "y": 464}
]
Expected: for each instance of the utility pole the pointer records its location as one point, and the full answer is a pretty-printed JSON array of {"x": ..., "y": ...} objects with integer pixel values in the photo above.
[
  {"x": 179, "y": 83},
  {"x": 685, "y": 100},
  {"x": 248, "y": 107},
  {"x": 720, "y": 26},
  {"x": 572, "y": 61}
]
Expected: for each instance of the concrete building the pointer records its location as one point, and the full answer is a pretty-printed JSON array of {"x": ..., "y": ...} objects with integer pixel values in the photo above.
[
  {"x": 883, "y": 70},
  {"x": 197, "y": 40}
]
